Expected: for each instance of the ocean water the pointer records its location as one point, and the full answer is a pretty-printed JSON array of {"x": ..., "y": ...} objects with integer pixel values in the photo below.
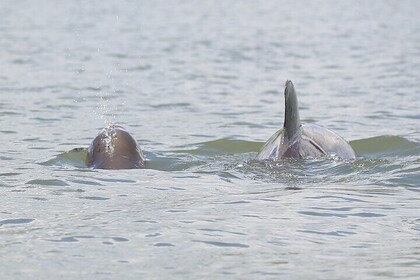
[{"x": 199, "y": 84}]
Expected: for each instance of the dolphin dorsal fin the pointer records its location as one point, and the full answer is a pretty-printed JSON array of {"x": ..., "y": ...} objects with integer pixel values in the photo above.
[{"x": 291, "y": 115}]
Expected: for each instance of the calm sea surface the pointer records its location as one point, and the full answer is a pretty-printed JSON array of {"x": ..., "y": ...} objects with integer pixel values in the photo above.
[{"x": 200, "y": 85}]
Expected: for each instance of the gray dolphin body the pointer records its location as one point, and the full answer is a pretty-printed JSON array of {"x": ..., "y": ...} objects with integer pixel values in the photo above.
[
  {"x": 114, "y": 148},
  {"x": 303, "y": 141}
]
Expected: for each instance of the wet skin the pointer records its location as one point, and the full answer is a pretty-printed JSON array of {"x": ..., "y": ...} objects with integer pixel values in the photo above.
[
  {"x": 297, "y": 140},
  {"x": 114, "y": 148}
]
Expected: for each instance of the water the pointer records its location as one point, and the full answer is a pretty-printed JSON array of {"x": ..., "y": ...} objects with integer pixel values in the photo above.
[{"x": 199, "y": 85}]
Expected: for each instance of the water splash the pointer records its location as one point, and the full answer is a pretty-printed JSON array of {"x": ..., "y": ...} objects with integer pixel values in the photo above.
[{"x": 109, "y": 134}]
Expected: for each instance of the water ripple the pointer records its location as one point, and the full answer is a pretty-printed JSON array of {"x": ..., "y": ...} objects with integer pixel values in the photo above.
[
  {"x": 223, "y": 244},
  {"x": 50, "y": 182},
  {"x": 16, "y": 221}
]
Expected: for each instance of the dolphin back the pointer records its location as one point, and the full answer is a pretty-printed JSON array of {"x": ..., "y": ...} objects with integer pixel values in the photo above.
[
  {"x": 310, "y": 141},
  {"x": 318, "y": 141},
  {"x": 271, "y": 148},
  {"x": 303, "y": 141}
]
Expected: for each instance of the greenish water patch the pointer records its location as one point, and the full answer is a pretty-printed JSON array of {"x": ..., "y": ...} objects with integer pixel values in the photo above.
[
  {"x": 390, "y": 160},
  {"x": 385, "y": 146},
  {"x": 75, "y": 158},
  {"x": 223, "y": 147}
]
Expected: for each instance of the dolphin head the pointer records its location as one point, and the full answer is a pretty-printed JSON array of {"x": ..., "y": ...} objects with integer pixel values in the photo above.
[
  {"x": 115, "y": 148},
  {"x": 291, "y": 115}
]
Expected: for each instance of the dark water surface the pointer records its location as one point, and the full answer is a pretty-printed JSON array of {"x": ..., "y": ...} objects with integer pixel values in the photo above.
[{"x": 199, "y": 84}]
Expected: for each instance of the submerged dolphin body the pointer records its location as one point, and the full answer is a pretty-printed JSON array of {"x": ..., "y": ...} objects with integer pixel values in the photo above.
[
  {"x": 303, "y": 141},
  {"x": 114, "y": 148}
]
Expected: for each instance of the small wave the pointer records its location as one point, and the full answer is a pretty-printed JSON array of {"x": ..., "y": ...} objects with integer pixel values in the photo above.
[
  {"x": 222, "y": 147},
  {"x": 223, "y": 244},
  {"x": 380, "y": 160},
  {"x": 385, "y": 146},
  {"x": 75, "y": 158},
  {"x": 16, "y": 221},
  {"x": 46, "y": 182},
  {"x": 95, "y": 198}
]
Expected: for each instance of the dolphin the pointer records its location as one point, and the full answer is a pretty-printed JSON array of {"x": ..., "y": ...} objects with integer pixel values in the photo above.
[
  {"x": 303, "y": 141},
  {"x": 114, "y": 148}
]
